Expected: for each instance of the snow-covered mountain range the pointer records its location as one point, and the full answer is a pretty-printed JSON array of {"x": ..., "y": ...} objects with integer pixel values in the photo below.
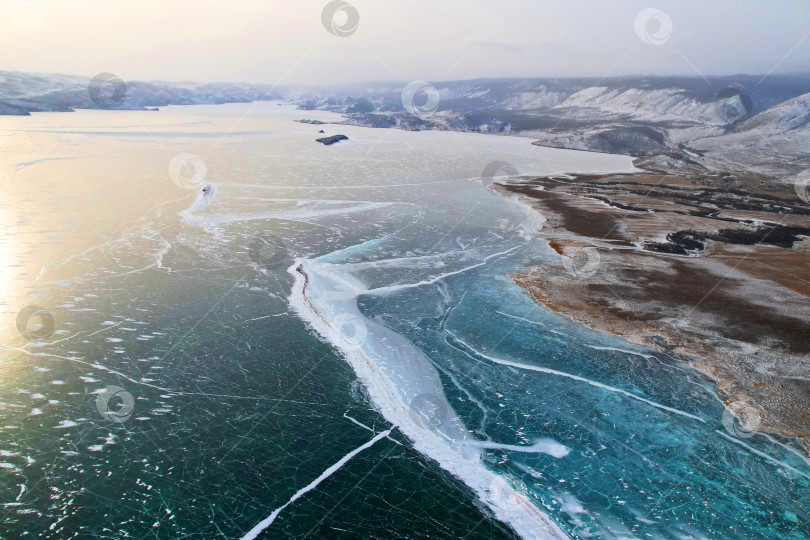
[
  {"x": 739, "y": 122},
  {"x": 23, "y": 93}
]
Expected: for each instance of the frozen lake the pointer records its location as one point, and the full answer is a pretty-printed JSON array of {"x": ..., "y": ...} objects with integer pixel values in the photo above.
[{"x": 329, "y": 344}]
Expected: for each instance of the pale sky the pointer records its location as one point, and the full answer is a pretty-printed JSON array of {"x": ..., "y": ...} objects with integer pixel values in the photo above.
[{"x": 284, "y": 42}]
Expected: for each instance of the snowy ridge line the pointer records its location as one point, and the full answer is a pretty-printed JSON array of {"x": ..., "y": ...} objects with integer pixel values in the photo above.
[
  {"x": 550, "y": 371},
  {"x": 262, "y": 525},
  {"x": 394, "y": 373}
]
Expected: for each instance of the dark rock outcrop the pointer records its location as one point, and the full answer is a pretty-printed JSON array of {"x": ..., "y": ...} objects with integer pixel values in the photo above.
[{"x": 332, "y": 139}]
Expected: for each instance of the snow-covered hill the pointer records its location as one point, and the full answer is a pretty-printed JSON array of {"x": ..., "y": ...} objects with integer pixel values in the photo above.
[
  {"x": 23, "y": 93},
  {"x": 790, "y": 115},
  {"x": 741, "y": 121},
  {"x": 775, "y": 142},
  {"x": 640, "y": 116}
]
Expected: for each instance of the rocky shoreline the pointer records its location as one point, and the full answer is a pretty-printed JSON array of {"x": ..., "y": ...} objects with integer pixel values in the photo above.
[{"x": 735, "y": 305}]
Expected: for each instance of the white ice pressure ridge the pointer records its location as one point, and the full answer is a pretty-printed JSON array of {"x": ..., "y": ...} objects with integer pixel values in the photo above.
[{"x": 395, "y": 372}]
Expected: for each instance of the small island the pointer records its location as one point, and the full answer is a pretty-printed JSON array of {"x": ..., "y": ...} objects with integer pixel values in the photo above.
[
  {"x": 332, "y": 139},
  {"x": 313, "y": 122}
]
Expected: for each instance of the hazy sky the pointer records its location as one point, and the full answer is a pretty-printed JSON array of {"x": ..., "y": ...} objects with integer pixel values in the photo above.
[{"x": 275, "y": 41}]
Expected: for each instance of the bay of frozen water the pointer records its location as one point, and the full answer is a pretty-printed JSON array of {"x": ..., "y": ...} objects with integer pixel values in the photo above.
[{"x": 329, "y": 344}]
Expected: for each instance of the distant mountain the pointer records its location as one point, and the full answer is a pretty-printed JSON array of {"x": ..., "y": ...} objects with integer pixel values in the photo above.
[
  {"x": 788, "y": 116},
  {"x": 661, "y": 98},
  {"x": 744, "y": 121},
  {"x": 23, "y": 93},
  {"x": 659, "y": 119},
  {"x": 775, "y": 142}
]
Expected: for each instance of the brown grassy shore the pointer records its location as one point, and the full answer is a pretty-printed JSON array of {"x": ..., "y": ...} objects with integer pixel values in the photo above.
[{"x": 713, "y": 268}]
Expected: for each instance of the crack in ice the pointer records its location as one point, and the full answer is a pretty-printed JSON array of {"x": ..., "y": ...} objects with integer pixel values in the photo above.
[{"x": 262, "y": 525}]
